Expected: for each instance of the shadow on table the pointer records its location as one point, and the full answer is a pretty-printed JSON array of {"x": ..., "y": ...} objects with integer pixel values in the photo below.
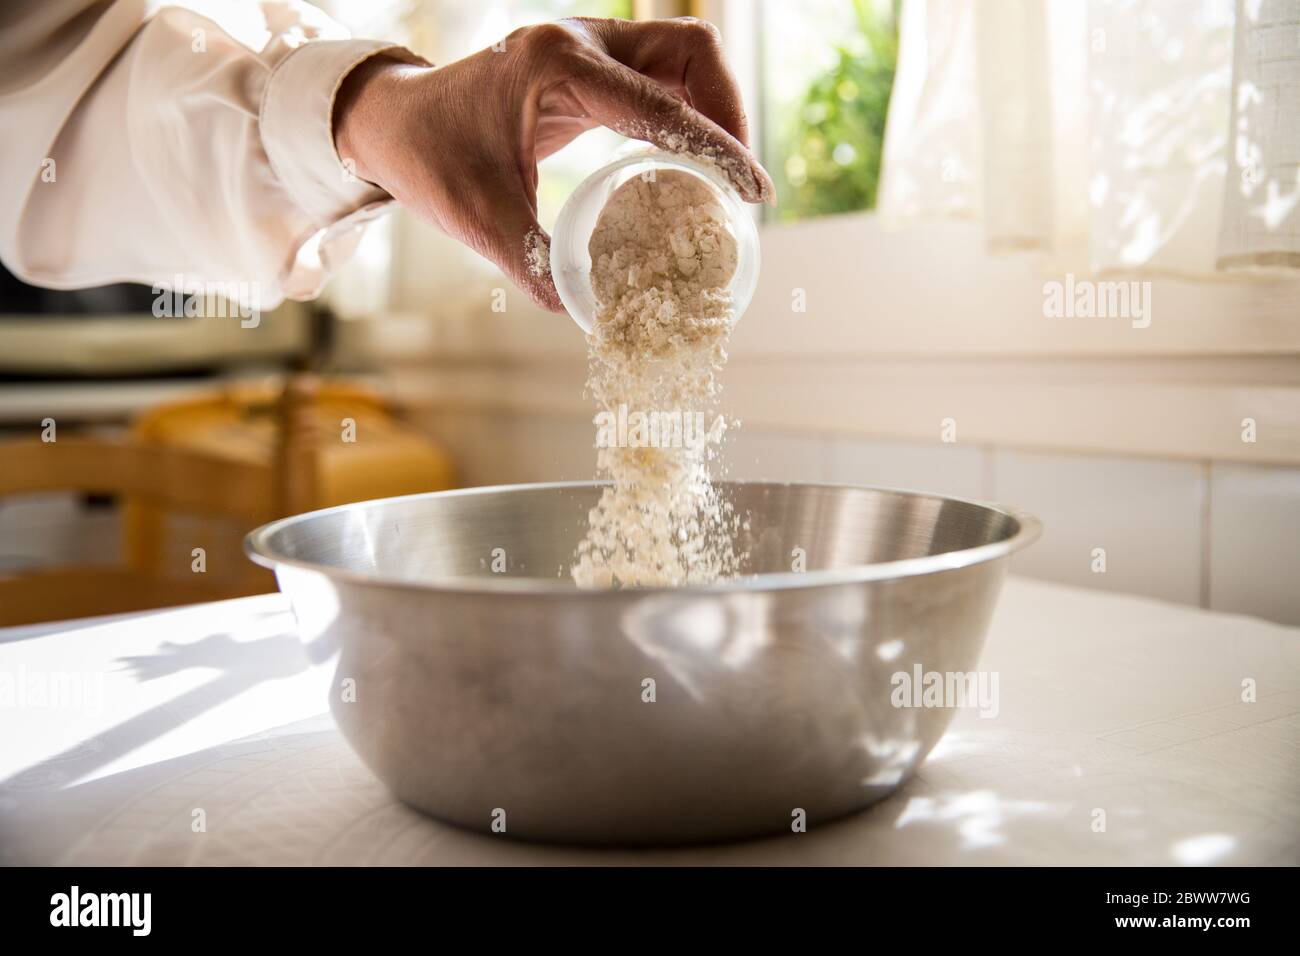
[{"x": 240, "y": 665}]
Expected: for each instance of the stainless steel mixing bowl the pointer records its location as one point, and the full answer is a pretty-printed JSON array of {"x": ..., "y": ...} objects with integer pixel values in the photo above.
[{"x": 482, "y": 695}]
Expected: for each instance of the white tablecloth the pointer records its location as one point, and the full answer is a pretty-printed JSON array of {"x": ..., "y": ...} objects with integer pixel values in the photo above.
[{"x": 201, "y": 736}]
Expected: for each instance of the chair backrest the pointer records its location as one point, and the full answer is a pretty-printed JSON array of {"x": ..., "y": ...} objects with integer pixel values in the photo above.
[
  {"x": 172, "y": 477},
  {"x": 166, "y": 478}
]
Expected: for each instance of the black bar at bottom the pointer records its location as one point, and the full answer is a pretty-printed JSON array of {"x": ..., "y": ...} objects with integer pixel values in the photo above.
[{"x": 211, "y": 906}]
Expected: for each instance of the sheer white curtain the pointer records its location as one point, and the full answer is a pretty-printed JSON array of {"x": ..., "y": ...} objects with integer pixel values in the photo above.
[{"x": 1113, "y": 135}]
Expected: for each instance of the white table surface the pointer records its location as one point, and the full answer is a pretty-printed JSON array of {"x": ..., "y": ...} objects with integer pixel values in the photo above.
[{"x": 1109, "y": 702}]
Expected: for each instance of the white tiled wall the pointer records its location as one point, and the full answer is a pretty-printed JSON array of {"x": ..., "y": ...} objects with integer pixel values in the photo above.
[
  {"x": 1146, "y": 515},
  {"x": 475, "y": 441},
  {"x": 551, "y": 449},
  {"x": 959, "y": 470},
  {"x": 496, "y": 449},
  {"x": 750, "y": 455},
  {"x": 1255, "y": 540},
  {"x": 948, "y": 469},
  {"x": 1221, "y": 536}
]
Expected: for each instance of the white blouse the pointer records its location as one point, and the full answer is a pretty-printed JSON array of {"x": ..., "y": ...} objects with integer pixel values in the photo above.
[{"x": 155, "y": 142}]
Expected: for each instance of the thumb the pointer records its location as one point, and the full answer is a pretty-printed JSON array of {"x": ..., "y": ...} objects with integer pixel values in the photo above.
[
  {"x": 521, "y": 247},
  {"x": 537, "y": 280}
]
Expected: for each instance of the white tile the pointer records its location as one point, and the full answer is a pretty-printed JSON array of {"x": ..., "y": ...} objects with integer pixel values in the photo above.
[
  {"x": 552, "y": 449},
  {"x": 491, "y": 449},
  {"x": 1146, "y": 514},
  {"x": 1255, "y": 541},
  {"x": 479, "y": 444},
  {"x": 752, "y": 455},
  {"x": 946, "y": 469}
]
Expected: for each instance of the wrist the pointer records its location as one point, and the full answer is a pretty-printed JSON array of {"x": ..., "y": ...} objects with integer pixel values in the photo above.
[{"x": 365, "y": 97}]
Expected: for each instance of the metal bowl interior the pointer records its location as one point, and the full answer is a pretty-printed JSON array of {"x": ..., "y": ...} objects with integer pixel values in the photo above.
[{"x": 510, "y": 697}]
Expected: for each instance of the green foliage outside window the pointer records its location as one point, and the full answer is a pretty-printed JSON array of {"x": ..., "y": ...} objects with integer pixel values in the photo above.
[{"x": 833, "y": 141}]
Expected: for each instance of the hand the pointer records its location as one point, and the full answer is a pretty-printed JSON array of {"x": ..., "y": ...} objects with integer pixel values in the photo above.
[{"x": 459, "y": 145}]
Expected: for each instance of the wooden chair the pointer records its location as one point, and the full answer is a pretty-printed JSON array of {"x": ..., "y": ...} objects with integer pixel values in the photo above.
[
  {"x": 273, "y": 458},
  {"x": 171, "y": 478}
]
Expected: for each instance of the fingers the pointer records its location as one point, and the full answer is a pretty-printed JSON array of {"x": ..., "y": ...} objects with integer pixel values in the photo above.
[
  {"x": 713, "y": 89},
  {"x": 682, "y": 53},
  {"x": 517, "y": 243},
  {"x": 526, "y": 259},
  {"x": 636, "y": 105},
  {"x": 536, "y": 279}
]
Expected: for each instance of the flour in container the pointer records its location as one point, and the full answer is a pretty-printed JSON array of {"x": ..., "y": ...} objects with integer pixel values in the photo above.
[{"x": 663, "y": 258}]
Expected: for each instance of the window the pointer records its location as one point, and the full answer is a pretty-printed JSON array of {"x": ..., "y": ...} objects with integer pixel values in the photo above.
[{"x": 827, "y": 69}]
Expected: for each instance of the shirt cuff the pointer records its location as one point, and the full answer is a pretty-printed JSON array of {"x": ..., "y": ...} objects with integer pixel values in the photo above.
[{"x": 296, "y": 123}]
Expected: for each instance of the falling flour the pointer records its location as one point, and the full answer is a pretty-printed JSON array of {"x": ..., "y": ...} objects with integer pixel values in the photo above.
[{"x": 663, "y": 258}]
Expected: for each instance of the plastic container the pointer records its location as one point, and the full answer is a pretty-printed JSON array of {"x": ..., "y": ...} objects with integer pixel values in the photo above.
[{"x": 571, "y": 262}]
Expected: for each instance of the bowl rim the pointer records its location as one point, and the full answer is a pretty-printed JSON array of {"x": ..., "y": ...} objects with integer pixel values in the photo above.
[{"x": 1028, "y": 529}]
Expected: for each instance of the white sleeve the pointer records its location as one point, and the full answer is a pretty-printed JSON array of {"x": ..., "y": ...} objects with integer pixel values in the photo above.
[{"x": 152, "y": 143}]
